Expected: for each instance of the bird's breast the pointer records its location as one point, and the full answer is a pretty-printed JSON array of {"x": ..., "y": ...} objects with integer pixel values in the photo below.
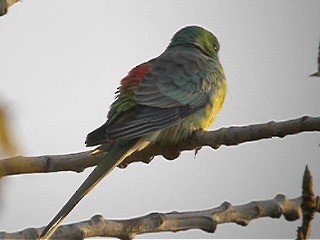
[
  {"x": 204, "y": 118},
  {"x": 201, "y": 119}
]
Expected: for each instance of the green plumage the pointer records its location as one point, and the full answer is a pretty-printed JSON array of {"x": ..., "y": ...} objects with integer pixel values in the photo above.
[
  {"x": 163, "y": 100},
  {"x": 124, "y": 103}
]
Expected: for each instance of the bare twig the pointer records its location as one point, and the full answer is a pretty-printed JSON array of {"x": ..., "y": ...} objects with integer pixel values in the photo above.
[
  {"x": 225, "y": 136},
  {"x": 309, "y": 205},
  {"x": 206, "y": 220}
]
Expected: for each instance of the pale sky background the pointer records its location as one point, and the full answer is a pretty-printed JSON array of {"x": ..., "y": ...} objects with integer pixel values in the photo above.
[{"x": 61, "y": 62}]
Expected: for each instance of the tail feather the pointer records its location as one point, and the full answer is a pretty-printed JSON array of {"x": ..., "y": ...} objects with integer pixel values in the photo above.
[
  {"x": 97, "y": 136},
  {"x": 117, "y": 153}
]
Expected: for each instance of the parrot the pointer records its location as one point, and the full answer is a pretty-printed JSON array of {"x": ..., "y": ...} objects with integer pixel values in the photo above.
[{"x": 161, "y": 101}]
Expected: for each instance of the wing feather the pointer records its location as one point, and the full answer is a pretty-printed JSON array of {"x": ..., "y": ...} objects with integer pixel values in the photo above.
[
  {"x": 146, "y": 120},
  {"x": 175, "y": 86}
]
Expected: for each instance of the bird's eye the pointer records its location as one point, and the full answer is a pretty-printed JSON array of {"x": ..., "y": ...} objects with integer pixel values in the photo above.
[{"x": 216, "y": 48}]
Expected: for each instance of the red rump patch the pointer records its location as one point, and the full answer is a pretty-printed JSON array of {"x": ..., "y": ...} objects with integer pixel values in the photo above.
[{"x": 135, "y": 76}]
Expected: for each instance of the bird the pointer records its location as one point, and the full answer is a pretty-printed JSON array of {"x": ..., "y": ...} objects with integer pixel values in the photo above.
[{"x": 161, "y": 101}]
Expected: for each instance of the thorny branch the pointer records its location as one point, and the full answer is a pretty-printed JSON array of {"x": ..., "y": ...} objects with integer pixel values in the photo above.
[
  {"x": 206, "y": 220},
  {"x": 225, "y": 136}
]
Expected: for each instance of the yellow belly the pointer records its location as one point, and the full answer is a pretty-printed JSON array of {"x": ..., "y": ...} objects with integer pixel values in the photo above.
[
  {"x": 202, "y": 119},
  {"x": 212, "y": 109}
]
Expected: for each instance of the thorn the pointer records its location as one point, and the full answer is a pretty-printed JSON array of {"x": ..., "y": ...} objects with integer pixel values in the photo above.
[
  {"x": 308, "y": 205},
  {"x": 196, "y": 151},
  {"x": 316, "y": 74},
  {"x": 307, "y": 183}
]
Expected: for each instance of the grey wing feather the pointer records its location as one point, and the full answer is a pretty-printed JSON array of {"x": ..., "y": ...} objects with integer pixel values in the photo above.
[
  {"x": 175, "y": 87},
  {"x": 145, "y": 120}
]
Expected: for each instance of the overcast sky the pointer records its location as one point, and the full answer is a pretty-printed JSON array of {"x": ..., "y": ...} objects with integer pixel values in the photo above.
[{"x": 61, "y": 62}]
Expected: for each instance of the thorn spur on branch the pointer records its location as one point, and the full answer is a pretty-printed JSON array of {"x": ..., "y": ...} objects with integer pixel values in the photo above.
[{"x": 309, "y": 205}]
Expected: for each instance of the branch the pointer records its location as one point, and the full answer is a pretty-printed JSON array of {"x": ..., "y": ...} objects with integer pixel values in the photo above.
[
  {"x": 309, "y": 205},
  {"x": 225, "y": 136},
  {"x": 5, "y": 4},
  {"x": 206, "y": 220}
]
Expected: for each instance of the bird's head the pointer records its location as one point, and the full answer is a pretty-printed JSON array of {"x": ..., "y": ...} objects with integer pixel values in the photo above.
[{"x": 199, "y": 37}]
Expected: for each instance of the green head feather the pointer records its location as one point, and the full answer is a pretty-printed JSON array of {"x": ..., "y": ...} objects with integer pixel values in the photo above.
[{"x": 198, "y": 36}]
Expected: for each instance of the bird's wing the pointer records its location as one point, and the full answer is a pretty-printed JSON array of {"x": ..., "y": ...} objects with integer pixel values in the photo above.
[
  {"x": 176, "y": 85},
  {"x": 158, "y": 94}
]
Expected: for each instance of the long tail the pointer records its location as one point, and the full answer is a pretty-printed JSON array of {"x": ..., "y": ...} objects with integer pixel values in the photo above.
[{"x": 117, "y": 153}]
